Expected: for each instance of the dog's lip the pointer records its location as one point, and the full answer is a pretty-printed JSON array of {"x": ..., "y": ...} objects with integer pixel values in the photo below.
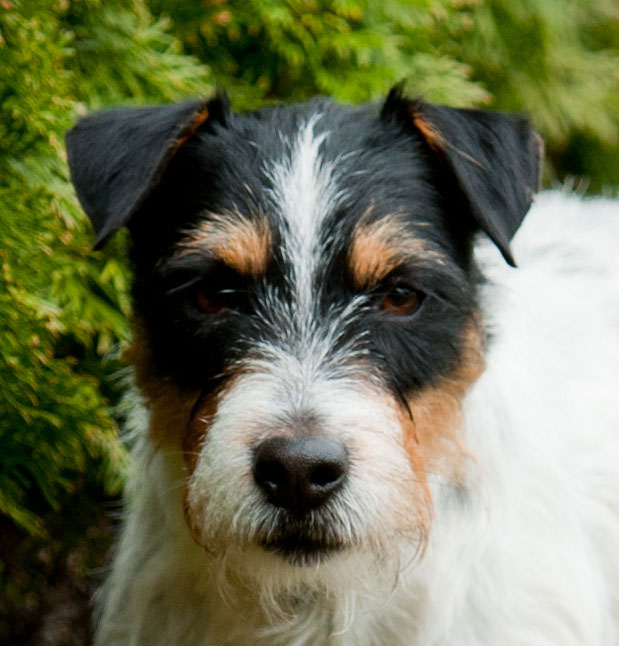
[{"x": 301, "y": 550}]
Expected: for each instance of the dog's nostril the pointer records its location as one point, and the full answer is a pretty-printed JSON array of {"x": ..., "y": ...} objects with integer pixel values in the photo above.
[
  {"x": 326, "y": 474},
  {"x": 272, "y": 473},
  {"x": 300, "y": 474}
]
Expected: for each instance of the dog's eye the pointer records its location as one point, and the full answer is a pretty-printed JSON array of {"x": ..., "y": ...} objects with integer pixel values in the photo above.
[
  {"x": 401, "y": 300},
  {"x": 213, "y": 301}
]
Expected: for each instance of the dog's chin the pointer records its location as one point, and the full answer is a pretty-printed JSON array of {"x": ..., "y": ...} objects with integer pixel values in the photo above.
[{"x": 302, "y": 551}]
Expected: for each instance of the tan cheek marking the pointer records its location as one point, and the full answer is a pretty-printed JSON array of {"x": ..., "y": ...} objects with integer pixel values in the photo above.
[
  {"x": 178, "y": 419},
  {"x": 192, "y": 522},
  {"x": 201, "y": 419},
  {"x": 379, "y": 247},
  {"x": 422, "y": 502},
  {"x": 432, "y": 438},
  {"x": 241, "y": 243},
  {"x": 170, "y": 407}
]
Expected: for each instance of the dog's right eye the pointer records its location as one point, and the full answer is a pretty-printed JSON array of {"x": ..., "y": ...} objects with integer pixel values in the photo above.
[
  {"x": 213, "y": 301},
  {"x": 401, "y": 301}
]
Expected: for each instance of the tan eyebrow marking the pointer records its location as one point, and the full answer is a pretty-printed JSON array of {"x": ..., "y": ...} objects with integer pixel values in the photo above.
[
  {"x": 242, "y": 243},
  {"x": 379, "y": 247}
]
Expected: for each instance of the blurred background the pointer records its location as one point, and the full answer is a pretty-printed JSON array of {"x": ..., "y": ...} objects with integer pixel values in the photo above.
[{"x": 64, "y": 308}]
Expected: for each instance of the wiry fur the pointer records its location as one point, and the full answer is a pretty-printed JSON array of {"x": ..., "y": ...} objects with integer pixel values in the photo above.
[
  {"x": 524, "y": 554},
  {"x": 305, "y": 275}
]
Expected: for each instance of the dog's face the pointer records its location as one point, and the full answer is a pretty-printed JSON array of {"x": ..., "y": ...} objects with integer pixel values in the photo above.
[{"x": 305, "y": 296}]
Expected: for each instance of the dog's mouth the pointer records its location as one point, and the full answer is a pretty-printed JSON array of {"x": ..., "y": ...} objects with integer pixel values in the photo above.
[
  {"x": 303, "y": 542},
  {"x": 301, "y": 550}
]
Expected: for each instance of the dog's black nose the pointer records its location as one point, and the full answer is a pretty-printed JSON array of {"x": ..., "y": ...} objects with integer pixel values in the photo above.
[{"x": 300, "y": 474}]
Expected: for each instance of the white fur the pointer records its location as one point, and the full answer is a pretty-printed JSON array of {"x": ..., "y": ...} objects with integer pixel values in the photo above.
[
  {"x": 304, "y": 193},
  {"x": 526, "y": 555}
]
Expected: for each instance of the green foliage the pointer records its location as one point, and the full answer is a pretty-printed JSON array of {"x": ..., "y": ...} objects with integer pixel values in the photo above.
[
  {"x": 143, "y": 62},
  {"x": 353, "y": 50},
  {"x": 62, "y": 307}
]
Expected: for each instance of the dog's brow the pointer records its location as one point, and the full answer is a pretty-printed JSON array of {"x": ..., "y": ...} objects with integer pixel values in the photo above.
[
  {"x": 378, "y": 247},
  {"x": 242, "y": 243}
]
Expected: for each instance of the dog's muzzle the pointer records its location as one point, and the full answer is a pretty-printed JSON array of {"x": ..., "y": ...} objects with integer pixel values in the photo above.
[{"x": 298, "y": 476}]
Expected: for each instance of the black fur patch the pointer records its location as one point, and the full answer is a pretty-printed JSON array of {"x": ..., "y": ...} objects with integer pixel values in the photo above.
[{"x": 384, "y": 166}]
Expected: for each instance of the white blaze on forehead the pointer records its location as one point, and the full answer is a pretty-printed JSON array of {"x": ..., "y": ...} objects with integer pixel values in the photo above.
[{"x": 305, "y": 193}]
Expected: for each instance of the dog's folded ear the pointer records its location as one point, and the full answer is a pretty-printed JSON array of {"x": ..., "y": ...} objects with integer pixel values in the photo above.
[
  {"x": 495, "y": 158},
  {"x": 117, "y": 157}
]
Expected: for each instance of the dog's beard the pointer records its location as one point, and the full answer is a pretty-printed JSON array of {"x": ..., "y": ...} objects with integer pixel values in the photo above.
[
  {"x": 287, "y": 582},
  {"x": 285, "y": 560}
]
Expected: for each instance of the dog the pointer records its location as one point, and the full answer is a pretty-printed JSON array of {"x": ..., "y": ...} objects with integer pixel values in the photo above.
[{"x": 358, "y": 425}]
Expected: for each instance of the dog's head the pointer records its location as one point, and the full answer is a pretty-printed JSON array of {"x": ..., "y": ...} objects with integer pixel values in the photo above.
[{"x": 305, "y": 299}]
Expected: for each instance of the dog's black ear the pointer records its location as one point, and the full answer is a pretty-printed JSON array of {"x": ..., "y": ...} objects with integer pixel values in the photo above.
[
  {"x": 117, "y": 157},
  {"x": 495, "y": 158}
]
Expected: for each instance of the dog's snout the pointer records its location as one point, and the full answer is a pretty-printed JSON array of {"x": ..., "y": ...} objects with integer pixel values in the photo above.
[{"x": 300, "y": 474}]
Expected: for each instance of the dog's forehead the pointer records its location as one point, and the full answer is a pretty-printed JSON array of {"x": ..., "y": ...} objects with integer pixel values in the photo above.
[
  {"x": 305, "y": 179},
  {"x": 319, "y": 159}
]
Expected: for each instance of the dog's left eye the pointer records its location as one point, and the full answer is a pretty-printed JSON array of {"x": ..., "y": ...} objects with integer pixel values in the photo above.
[{"x": 401, "y": 300}]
